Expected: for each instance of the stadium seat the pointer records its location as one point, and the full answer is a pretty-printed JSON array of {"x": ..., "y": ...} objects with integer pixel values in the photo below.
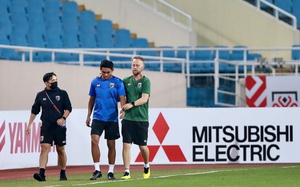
[
  {"x": 88, "y": 41},
  {"x": 238, "y": 54},
  {"x": 18, "y": 38},
  {"x": 5, "y": 53},
  {"x": 104, "y": 41},
  {"x": 4, "y": 6},
  {"x": 36, "y": 39},
  {"x": 295, "y": 5},
  {"x": 70, "y": 15},
  {"x": 53, "y": 40},
  {"x": 104, "y": 33},
  {"x": 70, "y": 40},
  {"x": 54, "y": 23},
  {"x": 197, "y": 67},
  {"x": 122, "y": 40},
  {"x": 19, "y": 21},
  {"x": 296, "y": 52},
  {"x": 105, "y": 26},
  {"x": 202, "y": 54},
  {"x": 223, "y": 54},
  {"x": 51, "y": 8},
  {"x": 183, "y": 53},
  {"x": 87, "y": 22},
  {"x": 254, "y": 56},
  {"x": 142, "y": 43},
  {"x": 35, "y": 6},
  {"x": 170, "y": 66},
  {"x": 69, "y": 8},
  {"x": 18, "y": 6},
  {"x": 5, "y": 23},
  {"x": 152, "y": 65},
  {"x": 168, "y": 53},
  {"x": 37, "y": 22}
]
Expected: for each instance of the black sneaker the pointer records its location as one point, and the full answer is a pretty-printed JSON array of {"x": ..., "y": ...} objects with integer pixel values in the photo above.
[
  {"x": 96, "y": 174},
  {"x": 126, "y": 176},
  {"x": 63, "y": 177},
  {"x": 111, "y": 176},
  {"x": 39, "y": 177}
]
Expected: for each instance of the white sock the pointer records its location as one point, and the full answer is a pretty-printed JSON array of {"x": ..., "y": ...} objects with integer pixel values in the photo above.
[
  {"x": 127, "y": 170},
  {"x": 97, "y": 166},
  {"x": 111, "y": 168},
  {"x": 146, "y": 165}
]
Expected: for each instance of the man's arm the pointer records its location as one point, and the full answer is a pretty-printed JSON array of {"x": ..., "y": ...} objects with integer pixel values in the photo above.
[
  {"x": 122, "y": 102},
  {"x": 31, "y": 119},
  {"x": 138, "y": 102},
  {"x": 90, "y": 110}
]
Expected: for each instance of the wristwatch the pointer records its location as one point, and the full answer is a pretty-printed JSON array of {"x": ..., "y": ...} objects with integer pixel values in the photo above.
[
  {"x": 133, "y": 103},
  {"x": 64, "y": 117}
]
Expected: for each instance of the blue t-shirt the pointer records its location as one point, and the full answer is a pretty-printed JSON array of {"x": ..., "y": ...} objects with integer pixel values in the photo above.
[{"x": 107, "y": 95}]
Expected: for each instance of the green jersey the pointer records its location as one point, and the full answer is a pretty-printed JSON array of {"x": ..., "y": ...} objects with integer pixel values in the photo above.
[{"x": 134, "y": 90}]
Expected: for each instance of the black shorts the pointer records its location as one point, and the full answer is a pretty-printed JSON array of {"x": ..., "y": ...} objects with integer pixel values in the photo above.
[
  {"x": 135, "y": 132},
  {"x": 111, "y": 129},
  {"x": 56, "y": 135}
]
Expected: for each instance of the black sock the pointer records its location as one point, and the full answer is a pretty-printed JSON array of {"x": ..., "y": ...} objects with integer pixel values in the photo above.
[
  {"x": 42, "y": 171},
  {"x": 63, "y": 172}
]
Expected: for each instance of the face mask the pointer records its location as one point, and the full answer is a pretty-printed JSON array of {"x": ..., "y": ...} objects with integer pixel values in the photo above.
[{"x": 53, "y": 85}]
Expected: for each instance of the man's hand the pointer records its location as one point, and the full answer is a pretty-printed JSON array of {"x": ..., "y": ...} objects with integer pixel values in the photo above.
[
  {"x": 88, "y": 121},
  {"x": 28, "y": 129},
  {"x": 122, "y": 113},
  {"x": 127, "y": 106}
]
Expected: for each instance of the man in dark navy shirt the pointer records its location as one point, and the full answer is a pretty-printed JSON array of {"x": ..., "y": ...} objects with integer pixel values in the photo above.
[{"x": 56, "y": 107}]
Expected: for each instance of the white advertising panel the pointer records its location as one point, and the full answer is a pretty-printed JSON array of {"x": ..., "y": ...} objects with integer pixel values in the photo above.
[
  {"x": 176, "y": 136},
  {"x": 272, "y": 91}
]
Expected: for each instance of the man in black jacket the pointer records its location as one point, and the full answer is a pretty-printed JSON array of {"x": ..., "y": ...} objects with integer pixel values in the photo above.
[{"x": 56, "y": 107}]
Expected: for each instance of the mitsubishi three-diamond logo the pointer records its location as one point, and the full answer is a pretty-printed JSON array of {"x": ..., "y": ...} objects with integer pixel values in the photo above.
[{"x": 173, "y": 152}]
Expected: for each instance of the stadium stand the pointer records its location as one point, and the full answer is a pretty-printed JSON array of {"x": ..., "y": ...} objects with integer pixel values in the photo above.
[{"x": 60, "y": 24}]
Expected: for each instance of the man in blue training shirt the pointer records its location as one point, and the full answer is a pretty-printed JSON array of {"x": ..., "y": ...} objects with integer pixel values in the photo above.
[{"x": 105, "y": 93}]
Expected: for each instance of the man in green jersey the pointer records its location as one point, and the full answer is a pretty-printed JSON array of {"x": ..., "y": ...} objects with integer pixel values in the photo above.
[{"x": 135, "y": 122}]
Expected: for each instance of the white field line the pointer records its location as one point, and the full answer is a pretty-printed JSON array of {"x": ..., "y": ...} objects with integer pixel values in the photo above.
[
  {"x": 158, "y": 177},
  {"x": 166, "y": 176}
]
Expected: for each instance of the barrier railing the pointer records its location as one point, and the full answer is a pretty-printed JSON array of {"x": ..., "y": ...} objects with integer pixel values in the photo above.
[
  {"x": 278, "y": 10},
  {"x": 241, "y": 67}
]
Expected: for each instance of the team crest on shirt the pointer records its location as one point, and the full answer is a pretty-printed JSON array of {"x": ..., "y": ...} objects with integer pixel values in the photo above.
[
  {"x": 57, "y": 98},
  {"x": 139, "y": 85},
  {"x": 98, "y": 85},
  {"x": 111, "y": 85}
]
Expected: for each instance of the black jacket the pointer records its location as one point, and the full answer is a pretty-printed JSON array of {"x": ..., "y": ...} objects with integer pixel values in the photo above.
[{"x": 49, "y": 114}]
